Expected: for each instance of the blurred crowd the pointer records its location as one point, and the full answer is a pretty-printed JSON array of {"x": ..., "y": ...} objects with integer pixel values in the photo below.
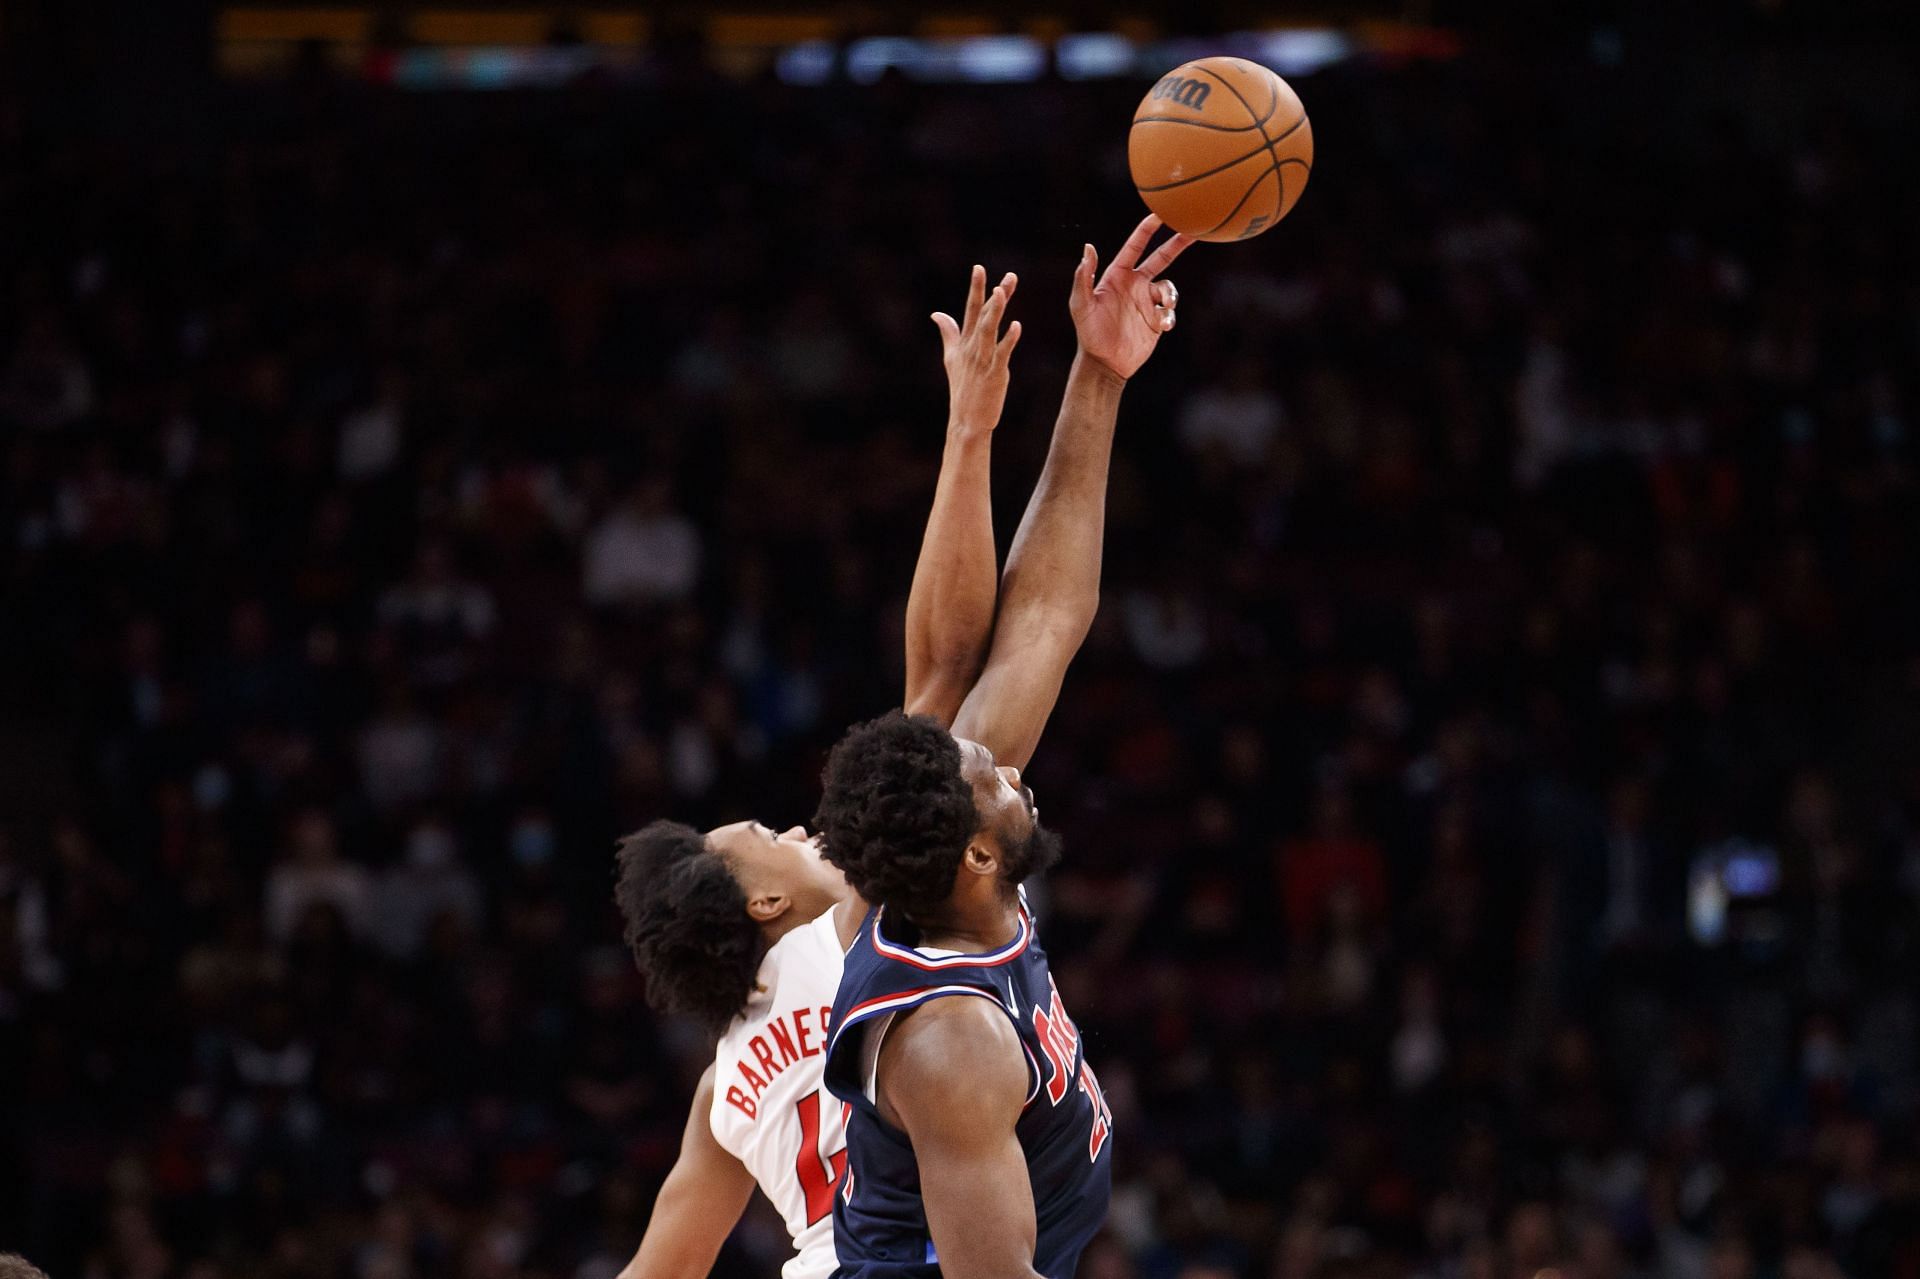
[{"x": 1491, "y": 790}]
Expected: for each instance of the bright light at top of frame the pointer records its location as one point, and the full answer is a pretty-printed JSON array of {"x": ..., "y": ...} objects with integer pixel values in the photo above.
[
  {"x": 1098, "y": 55},
  {"x": 987, "y": 59},
  {"x": 965, "y": 60},
  {"x": 1007, "y": 59},
  {"x": 807, "y": 57}
]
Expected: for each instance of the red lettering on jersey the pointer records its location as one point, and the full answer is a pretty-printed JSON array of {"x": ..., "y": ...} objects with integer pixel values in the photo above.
[
  {"x": 759, "y": 1084},
  {"x": 1102, "y": 1117},
  {"x": 741, "y": 1102},
  {"x": 764, "y": 1055},
  {"x": 826, "y": 1019},
  {"x": 818, "y": 1173},
  {"x": 1058, "y": 1039},
  {"x": 788, "y": 1053},
  {"x": 805, "y": 1032}
]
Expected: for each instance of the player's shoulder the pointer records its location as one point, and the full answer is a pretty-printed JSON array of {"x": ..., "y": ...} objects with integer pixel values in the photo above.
[
  {"x": 818, "y": 936},
  {"x": 954, "y": 1039},
  {"x": 801, "y": 969},
  {"x": 809, "y": 951},
  {"x": 951, "y": 1047}
]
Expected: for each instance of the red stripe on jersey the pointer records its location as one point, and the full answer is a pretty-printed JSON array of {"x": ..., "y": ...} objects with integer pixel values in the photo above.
[{"x": 994, "y": 959}]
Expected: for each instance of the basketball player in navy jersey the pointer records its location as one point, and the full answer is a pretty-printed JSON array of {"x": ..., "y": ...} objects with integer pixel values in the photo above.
[
  {"x": 980, "y": 1146},
  {"x": 725, "y": 924}
]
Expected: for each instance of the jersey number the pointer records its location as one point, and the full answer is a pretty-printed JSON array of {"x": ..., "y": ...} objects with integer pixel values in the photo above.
[
  {"x": 818, "y": 1171},
  {"x": 1060, "y": 1040}
]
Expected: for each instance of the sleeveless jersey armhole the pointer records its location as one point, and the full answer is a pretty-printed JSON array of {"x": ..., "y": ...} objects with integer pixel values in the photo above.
[{"x": 878, "y": 1024}]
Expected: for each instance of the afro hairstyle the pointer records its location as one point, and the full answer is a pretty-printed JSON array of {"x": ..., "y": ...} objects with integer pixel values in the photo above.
[
  {"x": 687, "y": 924},
  {"x": 895, "y": 812}
]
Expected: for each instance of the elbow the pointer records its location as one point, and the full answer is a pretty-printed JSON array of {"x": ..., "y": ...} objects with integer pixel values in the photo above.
[
  {"x": 1050, "y": 633},
  {"x": 957, "y": 660},
  {"x": 954, "y": 663},
  {"x": 960, "y": 667},
  {"x": 1070, "y": 620},
  {"x": 1089, "y": 609}
]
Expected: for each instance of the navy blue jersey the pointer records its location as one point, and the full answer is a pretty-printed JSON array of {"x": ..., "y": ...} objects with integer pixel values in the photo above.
[{"x": 879, "y": 1222}]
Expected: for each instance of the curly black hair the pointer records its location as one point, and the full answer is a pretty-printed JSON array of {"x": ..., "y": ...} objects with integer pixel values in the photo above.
[
  {"x": 15, "y": 1266},
  {"x": 895, "y": 813},
  {"x": 687, "y": 924}
]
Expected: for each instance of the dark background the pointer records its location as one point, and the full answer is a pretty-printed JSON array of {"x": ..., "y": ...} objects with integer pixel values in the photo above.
[{"x": 1490, "y": 790}]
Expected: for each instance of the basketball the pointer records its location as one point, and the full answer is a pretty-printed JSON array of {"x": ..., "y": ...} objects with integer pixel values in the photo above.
[{"x": 1220, "y": 149}]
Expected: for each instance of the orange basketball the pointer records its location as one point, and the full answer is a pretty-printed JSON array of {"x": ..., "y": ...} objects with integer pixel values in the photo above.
[{"x": 1220, "y": 148}]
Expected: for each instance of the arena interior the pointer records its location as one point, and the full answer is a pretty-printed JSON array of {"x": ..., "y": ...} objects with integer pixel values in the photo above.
[{"x": 435, "y": 442}]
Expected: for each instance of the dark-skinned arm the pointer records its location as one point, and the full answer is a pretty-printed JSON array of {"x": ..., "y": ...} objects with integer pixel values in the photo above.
[
  {"x": 698, "y": 1205},
  {"x": 1051, "y": 587},
  {"x": 953, "y": 1078},
  {"x": 950, "y": 606}
]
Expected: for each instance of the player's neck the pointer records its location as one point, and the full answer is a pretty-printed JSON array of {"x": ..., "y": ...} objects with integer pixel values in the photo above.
[
  {"x": 774, "y": 929},
  {"x": 974, "y": 926}
]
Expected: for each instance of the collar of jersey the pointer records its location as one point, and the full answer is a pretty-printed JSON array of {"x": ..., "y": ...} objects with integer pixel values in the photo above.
[{"x": 992, "y": 959}]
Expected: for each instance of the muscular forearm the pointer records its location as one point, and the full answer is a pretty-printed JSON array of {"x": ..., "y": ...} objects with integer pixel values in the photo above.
[
  {"x": 1051, "y": 586},
  {"x": 951, "y": 604},
  {"x": 1053, "y": 567}
]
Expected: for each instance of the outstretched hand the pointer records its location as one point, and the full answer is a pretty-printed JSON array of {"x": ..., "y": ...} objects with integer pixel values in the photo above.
[
  {"x": 976, "y": 353},
  {"x": 1120, "y": 317}
]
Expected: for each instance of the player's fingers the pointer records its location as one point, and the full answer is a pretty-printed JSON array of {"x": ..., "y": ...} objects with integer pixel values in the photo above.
[
  {"x": 1083, "y": 274},
  {"x": 949, "y": 330},
  {"x": 1162, "y": 258},
  {"x": 990, "y": 313},
  {"x": 996, "y": 308},
  {"x": 1136, "y": 244},
  {"x": 1164, "y": 318},
  {"x": 1164, "y": 294},
  {"x": 1008, "y": 283},
  {"x": 976, "y": 291},
  {"x": 1007, "y": 343}
]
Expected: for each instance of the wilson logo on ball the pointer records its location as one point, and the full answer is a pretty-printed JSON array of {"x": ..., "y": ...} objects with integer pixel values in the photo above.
[{"x": 1188, "y": 93}]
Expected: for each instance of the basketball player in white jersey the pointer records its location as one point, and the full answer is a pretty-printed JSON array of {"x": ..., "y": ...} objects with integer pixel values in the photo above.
[{"x": 738, "y": 926}]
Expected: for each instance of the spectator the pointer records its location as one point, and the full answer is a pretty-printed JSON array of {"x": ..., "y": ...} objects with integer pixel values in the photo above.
[
  {"x": 1237, "y": 420},
  {"x": 428, "y": 886},
  {"x": 313, "y": 873},
  {"x": 641, "y": 552}
]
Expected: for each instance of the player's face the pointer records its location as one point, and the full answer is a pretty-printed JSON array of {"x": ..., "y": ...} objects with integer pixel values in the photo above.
[
  {"x": 1007, "y": 809},
  {"x": 785, "y": 864}
]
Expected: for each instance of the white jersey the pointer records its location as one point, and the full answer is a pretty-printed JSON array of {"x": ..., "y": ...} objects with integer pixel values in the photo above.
[{"x": 770, "y": 1109}]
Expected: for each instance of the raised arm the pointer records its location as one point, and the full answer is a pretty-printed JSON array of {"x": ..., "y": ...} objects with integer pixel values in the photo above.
[
  {"x": 953, "y": 1079},
  {"x": 1051, "y": 587},
  {"x": 951, "y": 604},
  {"x": 701, "y": 1199}
]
